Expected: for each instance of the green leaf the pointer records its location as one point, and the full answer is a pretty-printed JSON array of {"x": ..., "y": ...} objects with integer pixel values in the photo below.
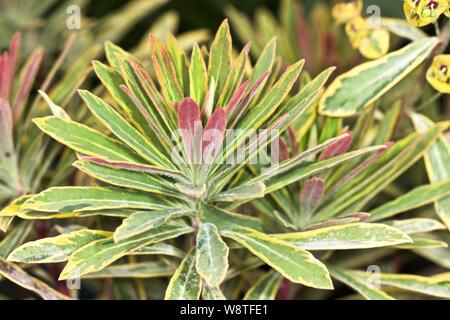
[
  {"x": 437, "y": 163},
  {"x": 265, "y": 288},
  {"x": 306, "y": 169},
  {"x": 165, "y": 71},
  {"x": 13, "y": 273},
  {"x": 423, "y": 243},
  {"x": 15, "y": 238},
  {"x": 415, "y": 198},
  {"x": 360, "y": 189},
  {"x": 142, "y": 221},
  {"x": 85, "y": 140},
  {"x": 240, "y": 193},
  {"x": 186, "y": 283},
  {"x": 402, "y": 28},
  {"x": 212, "y": 293},
  {"x": 159, "y": 249},
  {"x": 437, "y": 286},
  {"x": 363, "y": 287},
  {"x": 56, "y": 249},
  {"x": 198, "y": 76},
  {"x": 211, "y": 255},
  {"x": 140, "y": 270},
  {"x": 124, "y": 131},
  {"x": 358, "y": 88},
  {"x": 127, "y": 178},
  {"x": 97, "y": 255},
  {"x": 295, "y": 264},
  {"x": 112, "y": 81},
  {"x": 78, "y": 199},
  {"x": 349, "y": 236},
  {"x": 225, "y": 219},
  {"x": 416, "y": 225},
  {"x": 220, "y": 56}
]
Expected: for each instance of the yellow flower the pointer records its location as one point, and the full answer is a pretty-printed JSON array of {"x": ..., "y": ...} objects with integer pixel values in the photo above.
[
  {"x": 422, "y": 12},
  {"x": 447, "y": 12},
  {"x": 371, "y": 43},
  {"x": 346, "y": 11},
  {"x": 438, "y": 75}
]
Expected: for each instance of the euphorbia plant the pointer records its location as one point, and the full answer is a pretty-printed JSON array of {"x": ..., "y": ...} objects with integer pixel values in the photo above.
[{"x": 165, "y": 186}]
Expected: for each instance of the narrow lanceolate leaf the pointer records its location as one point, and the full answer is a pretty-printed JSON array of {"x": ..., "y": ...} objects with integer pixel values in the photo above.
[
  {"x": 212, "y": 293},
  {"x": 85, "y": 140},
  {"x": 211, "y": 255},
  {"x": 416, "y": 225},
  {"x": 423, "y": 243},
  {"x": 437, "y": 286},
  {"x": 220, "y": 56},
  {"x": 268, "y": 105},
  {"x": 78, "y": 199},
  {"x": 6, "y": 130},
  {"x": 15, "y": 238},
  {"x": 124, "y": 131},
  {"x": 126, "y": 178},
  {"x": 306, "y": 169},
  {"x": 224, "y": 219},
  {"x": 241, "y": 193},
  {"x": 165, "y": 71},
  {"x": 141, "y": 270},
  {"x": 56, "y": 249},
  {"x": 140, "y": 222},
  {"x": 265, "y": 288},
  {"x": 159, "y": 249},
  {"x": 354, "y": 90},
  {"x": 99, "y": 254},
  {"x": 198, "y": 77},
  {"x": 349, "y": 236},
  {"x": 402, "y": 28},
  {"x": 13, "y": 273},
  {"x": 186, "y": 283},
  {"x": 295, "y": 264},
  {"x": 311, "y": 196},
  {"x": 190, "y": 124},
  {"x": 415, "y": 198},
  {"x": 212, "y": 137},
  {"x": 437, "y": 163},
  {"x": 364, "y": 287}
]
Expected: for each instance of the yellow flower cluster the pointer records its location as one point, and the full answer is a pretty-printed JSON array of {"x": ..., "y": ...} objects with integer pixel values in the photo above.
[
  {"x": 371, "y": 42},
  {"x": 438, "y": 75},
  {"x": 422, "y": 12}
]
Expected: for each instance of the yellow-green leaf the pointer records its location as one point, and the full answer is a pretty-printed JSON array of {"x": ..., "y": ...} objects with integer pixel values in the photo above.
[
  {"x": 349, "y": 236},
  {"x": 186, "y": 283},
  {"x": 293, "y": 263},
  {"x": 78, "y": 199},
  {"x": 265, "y": 288},
  {"x": 358, "y": 88},
  {"x": 211, "y": 255},
  {"x": 56, "y": 249},
  {"x": 97, "y": 255}
]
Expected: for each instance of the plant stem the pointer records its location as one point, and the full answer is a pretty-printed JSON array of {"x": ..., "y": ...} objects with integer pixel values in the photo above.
[{"x": 429, "y": 101}]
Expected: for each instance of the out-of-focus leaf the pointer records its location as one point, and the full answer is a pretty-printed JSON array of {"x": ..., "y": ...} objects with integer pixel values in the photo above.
[
  {"x": 265, "y": 288},
  {"x": 15, "y": 274}
]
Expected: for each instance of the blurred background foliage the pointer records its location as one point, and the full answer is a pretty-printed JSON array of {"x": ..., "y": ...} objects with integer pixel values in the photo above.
[{"x": 192, "y": 14}]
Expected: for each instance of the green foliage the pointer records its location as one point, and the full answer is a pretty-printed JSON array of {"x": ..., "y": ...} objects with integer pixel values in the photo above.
[{"x": 211, "y": 174}]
